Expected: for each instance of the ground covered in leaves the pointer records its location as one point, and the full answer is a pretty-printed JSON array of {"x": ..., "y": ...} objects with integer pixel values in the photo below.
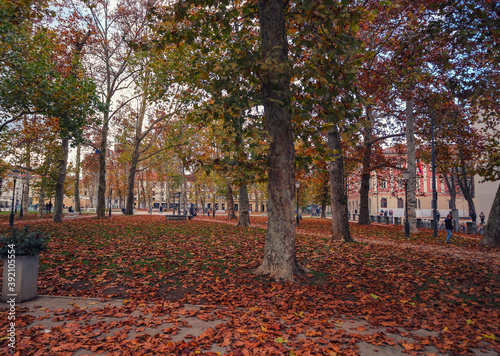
[{"x": 156, "y": 267}]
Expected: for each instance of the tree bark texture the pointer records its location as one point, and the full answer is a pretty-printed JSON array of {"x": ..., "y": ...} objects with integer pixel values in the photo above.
[
  {"x": 244, "y": 216},
  {"x": 466, "y": 183},
  {"x": 78, "y": 208},
  {"x": 364, "y": 191},
  {"x": 492, "y": 233},
  {"x": 340, "y": 214},
  {"x": 27, "y": 172},
  {"x": 41, "y": 202},
  {"x": 411, "y": 166},
  {"x": 129, "y": 209},
  {"x": 231, "y": 215},
  {"x": 26, "y": 192},
  {"x": 101, "y": 190},
  {"x": 452, "y": 190},
  {"x": 280, "y": 261},
  {"x": 61, "y": 177}
]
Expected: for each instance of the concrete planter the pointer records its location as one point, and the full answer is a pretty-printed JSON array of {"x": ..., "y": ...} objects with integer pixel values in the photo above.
[{"x": 25, "y": 283}]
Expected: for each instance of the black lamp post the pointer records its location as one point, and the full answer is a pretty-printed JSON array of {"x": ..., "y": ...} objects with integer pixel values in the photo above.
[
  {"x": 22, "y": 200},
  {"x": 15, "y": 174},
  {"x": 406, "y": 176},
  {"x": 297, "y": 185}
]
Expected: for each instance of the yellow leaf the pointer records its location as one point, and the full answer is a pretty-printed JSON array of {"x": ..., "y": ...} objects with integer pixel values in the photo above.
[
  {"x": 264, "y": 329},
  {"x": 469, "y": 321},
  {"x": 280, "y": 340},
  {"x": 374, "y": 296},
  {"x": 445, "y": 329},
  {"x": 491, "y": 337}
]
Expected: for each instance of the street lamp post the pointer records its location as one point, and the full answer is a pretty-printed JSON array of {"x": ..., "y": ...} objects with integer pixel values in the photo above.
[
  {"x": 406, "y": 176},
  {"x": 22, "y": 200},
  {"x": 297, "y": 185},
  {"x": 15, "y": 173}
]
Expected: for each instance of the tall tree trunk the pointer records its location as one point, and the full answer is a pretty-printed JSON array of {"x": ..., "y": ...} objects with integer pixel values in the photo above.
[
  {"x": 466, "y": 184},
  {"x": 324, "y": 200},
  {"x": 340, "y": 215},
  {"x": 184, "y": 188},
  {"x": 492, "y": 233},
  {"x": 41, "y": 202},
  {"x": 101, "y": 190},
  {"x": 214, "y": 210},
  {"x": 77, "y": 180},
  {"x": 450, "y": 180},
  {"x": 364, "y": 190},
  {"x": 143, "y": 191},
  {"x": 129, "y": 206},
  {"x": 244, "y": 216},
  {"x": 27, "y": 173},
  {"x": 280, "y": 261},
  {"x": 411, "y": 166},
  {"x": 148, "y": 192},
  {"x": 231, "y": 215},
  {"x": 26, "y": 192},
  {"x": 61, "y": 177}
]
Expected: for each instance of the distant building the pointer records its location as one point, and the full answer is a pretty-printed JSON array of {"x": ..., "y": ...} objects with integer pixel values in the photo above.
[{"x": 387, "y": 192}]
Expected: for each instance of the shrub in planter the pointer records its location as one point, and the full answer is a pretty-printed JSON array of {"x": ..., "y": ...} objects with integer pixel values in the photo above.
[
  {"x": 20, "y": 253},
  {"x": 26, "y": 242}
]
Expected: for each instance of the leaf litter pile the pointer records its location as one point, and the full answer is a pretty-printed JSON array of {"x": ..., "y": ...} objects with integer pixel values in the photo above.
[{"x": 422, "y": 300}]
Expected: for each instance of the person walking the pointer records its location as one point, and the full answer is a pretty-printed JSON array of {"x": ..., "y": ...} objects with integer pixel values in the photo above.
[
  {"x": 481, "y": 216},
  {"x": 473, "y": 216},
  {"x": 448, "y": 225}
]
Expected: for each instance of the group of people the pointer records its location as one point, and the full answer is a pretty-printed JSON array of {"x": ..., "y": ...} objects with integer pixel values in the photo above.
[
  {"x": 473, "y": 216},
  {"x": 387, "y": 213},
  {"x": 48, "y": 207},
  {"x": 448, "y": 223}
]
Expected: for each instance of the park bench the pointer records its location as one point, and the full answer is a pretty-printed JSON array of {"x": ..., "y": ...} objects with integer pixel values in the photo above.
[
  {"x": 178, "y": 217},
  {"x": 72, "y": 215}
]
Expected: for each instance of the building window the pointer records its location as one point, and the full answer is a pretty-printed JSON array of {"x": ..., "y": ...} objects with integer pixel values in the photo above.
[
  {"x": 383, "y": 203},
  {"x": 401, "y": 203},
  {"x": 383, "y": 184}
]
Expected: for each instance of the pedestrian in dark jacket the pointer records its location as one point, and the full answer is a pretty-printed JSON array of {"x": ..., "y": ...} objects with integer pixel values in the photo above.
[{"x": 448, "y": 225}]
